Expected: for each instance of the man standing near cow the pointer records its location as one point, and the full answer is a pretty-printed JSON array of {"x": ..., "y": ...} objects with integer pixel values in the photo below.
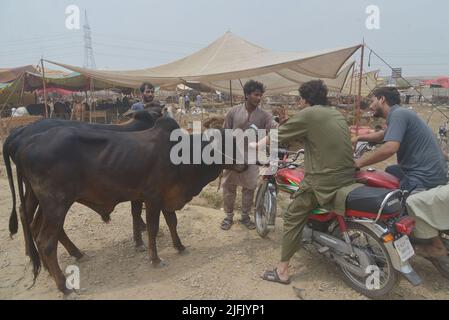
[
  {"x": 421, "y": 164},
  {"x": 328, "y": 167},
  {"x": 148, "y": 102},
  {"x": 242, "y": 117}
]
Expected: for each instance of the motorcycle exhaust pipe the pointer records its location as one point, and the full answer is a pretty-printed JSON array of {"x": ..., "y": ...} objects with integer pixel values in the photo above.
[{"x": 340, "y": 247}]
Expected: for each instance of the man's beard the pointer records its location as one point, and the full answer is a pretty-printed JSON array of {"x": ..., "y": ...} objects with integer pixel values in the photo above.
[
  {"x": 378, "y": 113},
  {"x": 148, "y": 100}
]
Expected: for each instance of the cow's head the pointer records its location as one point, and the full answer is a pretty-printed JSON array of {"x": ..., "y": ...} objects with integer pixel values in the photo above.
[{"x": 225, "y": 144}]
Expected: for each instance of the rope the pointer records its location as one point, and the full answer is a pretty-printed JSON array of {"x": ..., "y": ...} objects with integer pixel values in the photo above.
[{"x": 433, "y": 105}]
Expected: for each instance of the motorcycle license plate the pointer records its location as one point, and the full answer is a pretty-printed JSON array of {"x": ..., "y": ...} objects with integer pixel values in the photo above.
[{"x": 404, "y": 248}]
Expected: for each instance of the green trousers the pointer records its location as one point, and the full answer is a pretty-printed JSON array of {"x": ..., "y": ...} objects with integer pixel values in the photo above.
[{"x": 295, "y": 218}]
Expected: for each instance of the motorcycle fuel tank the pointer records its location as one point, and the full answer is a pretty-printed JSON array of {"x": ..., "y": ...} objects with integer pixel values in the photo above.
[{"x": 376, "y": 178}]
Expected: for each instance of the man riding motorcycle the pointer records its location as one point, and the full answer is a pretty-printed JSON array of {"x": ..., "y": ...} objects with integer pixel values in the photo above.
[{"x": 421, "y": 164}]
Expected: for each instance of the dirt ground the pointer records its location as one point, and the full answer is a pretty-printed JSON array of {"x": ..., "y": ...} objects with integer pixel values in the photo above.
[{"x": 218, "y": 264}]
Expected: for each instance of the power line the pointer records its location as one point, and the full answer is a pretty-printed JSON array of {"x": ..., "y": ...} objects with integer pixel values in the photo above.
[
  {"x": 14, "y": 52},
  {"x": 38, "y": 39},
  {"x": 149, "y": 40},
  {"x": 135, "y": 48},
  {"x": 408, "y": 82}
]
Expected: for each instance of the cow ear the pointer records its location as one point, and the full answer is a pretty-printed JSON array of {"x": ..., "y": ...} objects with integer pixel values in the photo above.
[{"x": 168, "y": 124}]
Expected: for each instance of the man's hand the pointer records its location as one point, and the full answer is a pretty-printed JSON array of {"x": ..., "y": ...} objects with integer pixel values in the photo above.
[
  {"x": 354, "y": 141},
  {"x": 252, "y": 145},
  {"x": 383, "y": 153},
  {"x": 283, "y": 118}
]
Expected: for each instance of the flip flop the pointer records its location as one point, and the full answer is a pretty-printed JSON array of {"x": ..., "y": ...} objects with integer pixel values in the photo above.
[
  {"x": 273, "y": 276},
  {"x": 421, "y": 252},
  {"x": 226, "y": 224},
  {"x": 248, "y": 223},
  {"x": 442, "y": 259}
]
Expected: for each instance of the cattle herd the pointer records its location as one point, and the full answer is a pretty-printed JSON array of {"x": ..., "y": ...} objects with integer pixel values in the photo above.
[
  {"x": 60, "y": 162},
  {"x": 72, "y": 110}
]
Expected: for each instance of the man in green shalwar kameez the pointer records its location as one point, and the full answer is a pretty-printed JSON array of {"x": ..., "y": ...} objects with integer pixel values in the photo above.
[{"x": 329, "y": 166}]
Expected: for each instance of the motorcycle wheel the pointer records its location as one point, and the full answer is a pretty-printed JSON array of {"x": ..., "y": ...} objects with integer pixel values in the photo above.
[
  {"x": 443, "y": 268},
  {"x": 366, "y": 240},
  {"x": 265, "y": 208}
]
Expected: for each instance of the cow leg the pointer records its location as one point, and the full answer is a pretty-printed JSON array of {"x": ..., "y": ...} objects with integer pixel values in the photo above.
[
  {"x": 53, "y": 216},
  {"x": 152, "y": 214},
  {"x": 172, "y": 222},
  {"x": 63, "y": 238},
  {"x": 136, "y": 212},
  {"x": 35, "y": 229},
  {"x": 31, "y": 205},
  {"x": 70, "y": 246}
]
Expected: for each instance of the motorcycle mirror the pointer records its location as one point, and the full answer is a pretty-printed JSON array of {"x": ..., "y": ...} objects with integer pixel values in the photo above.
[{"x": 254, "y": 127}]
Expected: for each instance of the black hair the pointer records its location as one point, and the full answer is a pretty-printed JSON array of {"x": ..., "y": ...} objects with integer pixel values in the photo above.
[
  {"x": 314, "y": 92},
  {"x": 391, "y": 95},
  {"x": 144, "y": 85},
  {"x": 251, "y": 86}
]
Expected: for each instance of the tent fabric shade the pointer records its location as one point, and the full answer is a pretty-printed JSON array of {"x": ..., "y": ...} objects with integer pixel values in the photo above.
[
  {"x": 370, "y": 81},
  {"x": 231, "y": 58},
  {"x": 73, "y": 82},
  {"x": 11, "y": 74}
]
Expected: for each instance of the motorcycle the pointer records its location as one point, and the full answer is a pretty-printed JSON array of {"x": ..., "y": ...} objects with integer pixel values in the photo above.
[{"x": 374, "y": 234}]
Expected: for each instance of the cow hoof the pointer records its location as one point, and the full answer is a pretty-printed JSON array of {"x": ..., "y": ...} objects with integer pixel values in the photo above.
[
  {"x": 159, "y": 263},
  {"x": 182, "y": 250},
  {"x": 68, "y": 294},
  {"x": 141, "y": 248}
]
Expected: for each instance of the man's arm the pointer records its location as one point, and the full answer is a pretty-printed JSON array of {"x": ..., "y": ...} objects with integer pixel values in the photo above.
[
  {"x": 371, "y": 137},
  {"x": 228, "y": 122},
  {"x": 295, "y": 127},
  {"x": 384, "y": 152}
]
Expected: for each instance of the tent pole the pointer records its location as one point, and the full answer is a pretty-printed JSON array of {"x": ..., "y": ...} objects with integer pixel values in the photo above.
[
  {"x": 359, "y": 96},
  {"x": 23, "y": 89},
  {"x": 92, "y": 106},
  {"x": 352, "y": 79},
  {"x": 45, "y": 89},
  {"x": 87, "y": 97},
  {"x": 230, "y": 89}
]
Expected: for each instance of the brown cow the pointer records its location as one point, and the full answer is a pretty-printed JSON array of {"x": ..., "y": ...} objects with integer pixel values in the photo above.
[
  {"x": 141, "y": 120},
  {"x": 101, "y": 169}
]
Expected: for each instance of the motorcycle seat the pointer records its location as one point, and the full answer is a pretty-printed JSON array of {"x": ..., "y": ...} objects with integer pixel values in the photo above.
[{"x": 369, "y": 200}]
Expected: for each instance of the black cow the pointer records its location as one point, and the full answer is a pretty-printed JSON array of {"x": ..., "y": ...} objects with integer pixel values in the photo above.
[
  {"x": 37, "y": 109},
  {"x": 141, "y": 120},
  {"x": 104, "y": 169},
  {"x": 62, "y": 110}
]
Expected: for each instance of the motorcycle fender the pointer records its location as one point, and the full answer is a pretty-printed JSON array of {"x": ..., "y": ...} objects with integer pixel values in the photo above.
[{"x": 398, "y": 264}]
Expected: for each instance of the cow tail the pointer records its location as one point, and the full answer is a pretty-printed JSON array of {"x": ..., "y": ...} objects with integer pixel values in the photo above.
[
  {"x": 13, "y": 223},
  {"x": 32, "y": 250}
]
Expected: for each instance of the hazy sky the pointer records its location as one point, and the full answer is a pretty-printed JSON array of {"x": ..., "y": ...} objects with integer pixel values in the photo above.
[{"x": 133, "y": 34}]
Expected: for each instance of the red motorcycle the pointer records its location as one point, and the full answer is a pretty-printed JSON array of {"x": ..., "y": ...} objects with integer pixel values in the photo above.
[{"x": 370, "y": 243}]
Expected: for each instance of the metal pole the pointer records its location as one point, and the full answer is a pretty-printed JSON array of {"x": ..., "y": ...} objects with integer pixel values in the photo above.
[
  {"x": 45, "y": 89},
  {"x": 359, "y": 96}
]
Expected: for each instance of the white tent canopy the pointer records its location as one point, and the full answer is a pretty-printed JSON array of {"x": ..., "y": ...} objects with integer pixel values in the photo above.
[{"x": 231, "y": 58}]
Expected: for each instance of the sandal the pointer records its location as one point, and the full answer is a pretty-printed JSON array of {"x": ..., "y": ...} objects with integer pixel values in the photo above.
[
  {"x": 272, "y": 275},
  {"x": 248, "y": 223},
  {"x": 226, "y": 224}
]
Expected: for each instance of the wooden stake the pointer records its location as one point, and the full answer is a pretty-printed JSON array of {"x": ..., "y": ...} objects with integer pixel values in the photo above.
[
  {"x": 45, "y": 89},
  {"x": 230, "y": 89},
  {"x": 359, "y": 96}
]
